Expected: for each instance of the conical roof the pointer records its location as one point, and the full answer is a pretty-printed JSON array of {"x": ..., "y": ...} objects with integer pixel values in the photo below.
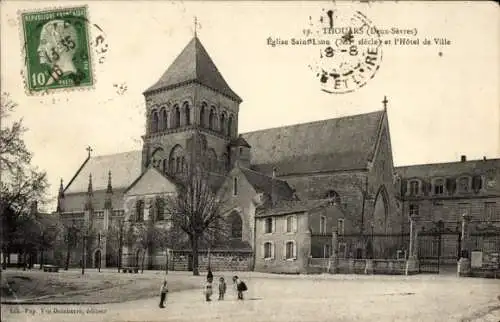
[{"x": 194, "y": 65}]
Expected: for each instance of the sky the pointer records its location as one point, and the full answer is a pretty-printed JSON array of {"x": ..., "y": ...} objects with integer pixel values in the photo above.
[{"x": 443, "y": 100}]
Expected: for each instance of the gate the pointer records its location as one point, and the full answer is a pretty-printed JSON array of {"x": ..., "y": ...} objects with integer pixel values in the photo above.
[{"x": 439, "y": 248}]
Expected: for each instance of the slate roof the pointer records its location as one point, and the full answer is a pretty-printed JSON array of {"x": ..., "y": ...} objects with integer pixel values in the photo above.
[
  {"x": 194, "y": 65},
  {"x": 285, "y": 207},
  {"x": 76, "y": 201},
  {"x": 125, "y": 168},
  {"x": 240, "y": 141},
  {"x": 344, "y": 143},
  {"x": 448, "y": 169},
  {"x": 268, "y": 185}
]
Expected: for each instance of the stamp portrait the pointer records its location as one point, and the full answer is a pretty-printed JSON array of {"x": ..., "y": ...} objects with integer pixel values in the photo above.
[{"x": 57, "y": 51}]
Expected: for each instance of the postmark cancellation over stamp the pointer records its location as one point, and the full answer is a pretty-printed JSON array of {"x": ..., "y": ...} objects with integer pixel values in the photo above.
[{"x": 57, "y": 50}]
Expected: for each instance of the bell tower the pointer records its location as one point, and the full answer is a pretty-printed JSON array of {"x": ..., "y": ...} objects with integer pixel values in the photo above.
[{"x": 192, "y": 115}]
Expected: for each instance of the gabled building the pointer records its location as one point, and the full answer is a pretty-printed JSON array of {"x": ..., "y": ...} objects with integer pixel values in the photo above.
[
  {"x": 192, "y": 120},
  {"x": 290, "y": 233}
]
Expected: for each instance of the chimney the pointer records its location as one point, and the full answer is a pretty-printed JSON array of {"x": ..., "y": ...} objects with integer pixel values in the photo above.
[
  {"x": 274, "y": 172},
  {"x": 484, "y": 158},
  {"x": 463, "y": 158}
]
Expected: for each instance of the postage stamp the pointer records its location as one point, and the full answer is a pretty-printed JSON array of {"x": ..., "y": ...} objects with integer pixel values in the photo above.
[
  {"x": 57, "y": 50},
  {"x": 353, "y": 52}
]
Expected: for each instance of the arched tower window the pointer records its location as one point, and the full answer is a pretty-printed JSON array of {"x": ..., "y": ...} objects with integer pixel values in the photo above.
[
  {"x": 157, "y": 157},
  {"x": 211, "y": 119},
  {"x": 165, "y": 166},
  {"x": 177, "y": 117},
  {"x": 236, "y": 225},
  {"x": 154, "y": 122},
  {"x": 223, "y": 123},
  {"x": 163, "y": 119},
  {"x": 175, "y": 159},
  {"x": 202, "y": 114},
  {"x": 230, "y": 125},
  {"x": 187, "y": 113},
  {"x": 211, "y": 160}
]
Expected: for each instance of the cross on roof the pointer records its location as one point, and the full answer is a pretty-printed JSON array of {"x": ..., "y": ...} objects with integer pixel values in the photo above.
[
  {"x": 195, "y": 24},
  {"x": 385, "y": 101},
  {"x": 89, "y": 149}
]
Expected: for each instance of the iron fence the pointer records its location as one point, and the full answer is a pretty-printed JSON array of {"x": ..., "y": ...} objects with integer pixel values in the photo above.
[{"x": 374, "y": 246}]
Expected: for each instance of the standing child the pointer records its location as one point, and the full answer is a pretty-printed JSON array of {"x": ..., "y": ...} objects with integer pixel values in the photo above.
[
  {"x": 222, "y": 288},
  {"x": 208, "y": 289},
  {"x": 240, "y": 287},
  {"x": 163, "y": 293}
]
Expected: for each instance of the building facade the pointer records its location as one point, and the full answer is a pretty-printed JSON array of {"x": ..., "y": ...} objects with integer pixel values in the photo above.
[
  {"x": 441, "y": 195},
  {"x": 192, "y": 120}
]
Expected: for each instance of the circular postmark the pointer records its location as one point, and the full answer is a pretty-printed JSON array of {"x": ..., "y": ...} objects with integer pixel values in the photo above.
[{"x": 353, "y": 55}]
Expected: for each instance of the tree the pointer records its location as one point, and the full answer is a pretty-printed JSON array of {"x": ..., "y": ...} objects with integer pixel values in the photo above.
[
  {"x": 196, "y": 209},
  {"x": 49, "y": 231},
  {"x": 13, "y": 151},
  {"x": 71, "y": 236},
  {"x": 115, "y": 239},
  {"x": 148, "y": 237},
  {"x": 21, "y": 184}
]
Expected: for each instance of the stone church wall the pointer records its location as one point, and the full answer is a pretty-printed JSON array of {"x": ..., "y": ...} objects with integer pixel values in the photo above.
[
  {"x": 381, "y": 176},
  {"x": 348, "y": 185}
]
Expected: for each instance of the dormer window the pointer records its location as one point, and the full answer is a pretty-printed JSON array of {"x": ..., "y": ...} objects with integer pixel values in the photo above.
[
  {"x": 438, "y": 187},
  {"x": 414, "y": 187},
  {"x": 463, "y": 184}
]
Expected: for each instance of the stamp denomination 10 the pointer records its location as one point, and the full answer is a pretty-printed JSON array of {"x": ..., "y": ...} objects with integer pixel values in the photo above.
[{"x": 57, "y": 49}]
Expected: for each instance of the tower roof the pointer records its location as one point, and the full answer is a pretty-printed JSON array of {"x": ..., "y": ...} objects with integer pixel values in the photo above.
[{"x": 194, "y": 65}]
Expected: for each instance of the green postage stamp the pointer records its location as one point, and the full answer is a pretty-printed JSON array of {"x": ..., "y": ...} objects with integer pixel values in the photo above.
[{"x": 57, "y": 51}]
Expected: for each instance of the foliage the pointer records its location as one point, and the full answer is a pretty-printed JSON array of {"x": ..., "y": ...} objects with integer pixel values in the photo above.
[
  {"x": 13, "y": 150},
  {"x": 22, "y": 185}
]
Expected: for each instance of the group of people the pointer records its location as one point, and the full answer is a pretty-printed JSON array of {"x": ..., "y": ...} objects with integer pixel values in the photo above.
[{"x": 240, "y": 287}]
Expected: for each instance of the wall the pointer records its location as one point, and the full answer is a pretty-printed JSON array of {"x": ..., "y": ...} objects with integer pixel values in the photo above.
[
  {"x": 242, "y": 203},
  {"x": 348, "y": 185},
  {"x": 367, "y": 266},
  {"x": 319, "y": 239},
  {"x": 279, "y": 237},
  {"x": 195, "y": 95},
  {"x": 380, "y": 183}
]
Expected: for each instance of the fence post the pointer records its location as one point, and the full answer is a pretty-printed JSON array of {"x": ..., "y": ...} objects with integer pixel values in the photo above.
[
  {"x": 464, "y": 264},
  {"x": 333, "y": 263},
  {"x": 412, "y": 261}
]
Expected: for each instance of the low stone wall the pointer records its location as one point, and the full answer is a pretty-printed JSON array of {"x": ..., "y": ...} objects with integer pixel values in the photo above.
[
  {"x": 371, "y": 266},
  {"x": 485, "y": 264},
  {"x": 227, "y": 262},
  {"x": 219, "y": 261},
  {"x": 393, "y": 267}
]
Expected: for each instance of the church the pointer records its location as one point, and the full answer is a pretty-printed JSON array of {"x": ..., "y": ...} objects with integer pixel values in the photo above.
[{"x": 319, "y": 175}]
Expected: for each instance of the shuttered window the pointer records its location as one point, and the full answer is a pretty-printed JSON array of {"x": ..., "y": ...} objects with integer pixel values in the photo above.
[{"x": 290, "y": 250}]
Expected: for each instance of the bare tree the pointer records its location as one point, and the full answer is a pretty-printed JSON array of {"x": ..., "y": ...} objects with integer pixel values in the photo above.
[
  {"x": 71, "y": 236},
  {"x": 49, "y": 231},
  {"x": 196, "y": 209},
  {"x": 115, "y": 239}
]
